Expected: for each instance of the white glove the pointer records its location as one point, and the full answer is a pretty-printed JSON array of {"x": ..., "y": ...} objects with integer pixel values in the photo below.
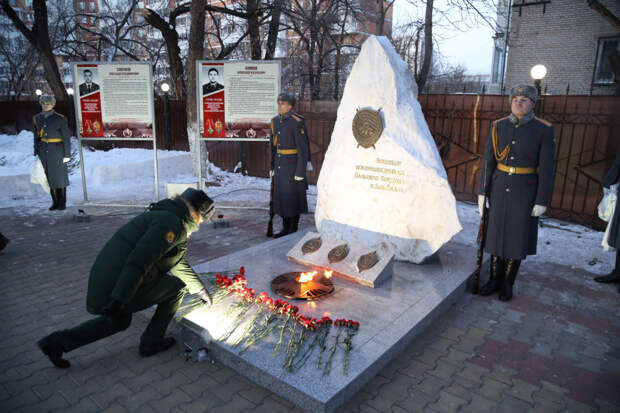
[
  {"x": 538, "y": 210},
  {"x": 480, "y": 201},
  {"x": 271, "y": 173},
  {"x": 606, "y": 191},
  {"x": 65, "y": 160},
  {"x": 299, "y": 178}
]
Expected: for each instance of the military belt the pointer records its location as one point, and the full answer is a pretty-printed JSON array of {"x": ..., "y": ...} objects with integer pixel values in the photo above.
[
  {"x": 287, "y": 151},
  {"x": 52, "y": 140},
  {"x": 516, "y": 169}
]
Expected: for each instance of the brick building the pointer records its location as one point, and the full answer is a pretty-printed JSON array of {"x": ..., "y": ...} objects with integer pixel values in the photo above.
[{"x": 571, "y": 39}]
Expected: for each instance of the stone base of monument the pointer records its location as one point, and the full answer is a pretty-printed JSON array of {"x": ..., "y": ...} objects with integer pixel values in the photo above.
[
  {"x": 391, "y": 316},
  {"x": 353, "y": 266}
]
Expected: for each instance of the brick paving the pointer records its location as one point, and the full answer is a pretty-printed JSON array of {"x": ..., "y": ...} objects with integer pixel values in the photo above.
[{"x": 554, "y": 348}]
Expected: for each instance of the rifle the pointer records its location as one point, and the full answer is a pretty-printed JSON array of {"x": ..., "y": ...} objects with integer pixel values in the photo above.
[
  {"x": 270, "y": 224},
  {"x": 482, "y": 238}
]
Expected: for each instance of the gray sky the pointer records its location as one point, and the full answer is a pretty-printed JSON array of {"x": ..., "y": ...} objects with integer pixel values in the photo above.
[{"x": 472, "y": 49}]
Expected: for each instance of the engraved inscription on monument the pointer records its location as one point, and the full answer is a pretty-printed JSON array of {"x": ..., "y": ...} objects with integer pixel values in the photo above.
[{"x": 385, "y": 175}]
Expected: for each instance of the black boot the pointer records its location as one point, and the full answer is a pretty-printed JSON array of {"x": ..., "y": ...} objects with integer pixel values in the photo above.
[
  {"x": 61, "y": 195},
  {"x": 3, "y": 241},
  {"x": 152, "y": 349},
  {"x": 512, "y": 267},
  {"x": 286, "y": 227},
  {"x": 612, "y": 277},
  {"x": 294, "y": 224},
  {"x": 53, "y": 349},
  {"x": 496, "y": 276},
  {"x": 54, "y": 199}
]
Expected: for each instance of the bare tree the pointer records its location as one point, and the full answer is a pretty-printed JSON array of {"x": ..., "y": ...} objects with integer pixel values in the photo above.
[
  {"x": 39, "y": 37},
  {"x": 382, "y": 9},
  {"x": 18, "y": 65},
  {"x": 320, "y": 26}
]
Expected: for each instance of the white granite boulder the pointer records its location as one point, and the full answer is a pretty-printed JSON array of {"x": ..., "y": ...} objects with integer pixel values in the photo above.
[{"x": 396, "y": 192}]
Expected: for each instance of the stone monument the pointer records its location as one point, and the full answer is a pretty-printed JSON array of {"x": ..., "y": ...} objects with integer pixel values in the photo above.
[{"x": 382, "y": 181}]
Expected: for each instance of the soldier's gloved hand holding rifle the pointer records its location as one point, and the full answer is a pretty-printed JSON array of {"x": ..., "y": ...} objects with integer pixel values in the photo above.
[
  {"x": 538, "y": 210},
  {"x": 481, "y": 203}
]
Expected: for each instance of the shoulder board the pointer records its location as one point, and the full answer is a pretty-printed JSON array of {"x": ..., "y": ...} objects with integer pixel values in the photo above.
[
  {"x": 296, "y": 117},
  {"x": 60, "y": 114},
  {"x": 501, "y": 119},
  {"x": 544, "y": 122}
]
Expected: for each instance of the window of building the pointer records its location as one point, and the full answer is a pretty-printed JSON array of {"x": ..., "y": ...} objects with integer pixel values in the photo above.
[
  {"x": 82, "y": 5},
  {"x": 603, "y": 72},
  {"x": 84, "y": 20}
]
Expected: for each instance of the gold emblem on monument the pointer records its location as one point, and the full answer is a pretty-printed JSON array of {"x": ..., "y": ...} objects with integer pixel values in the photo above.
[
  {"x": 311, "y": 245},
  {"x": 367, "y": 261},
  {"x": 367, "y": 127},
  {"x": 338, "y": 253}
]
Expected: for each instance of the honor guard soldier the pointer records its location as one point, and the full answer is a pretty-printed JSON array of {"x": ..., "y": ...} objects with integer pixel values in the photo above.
[
  {"x": 130, "y": 274},
  {"x": 52, "y": 144},
  {"x": 290, "y": 153},
  {"x": 613, "y": 178},
  {"x": 517, "y": 178}
]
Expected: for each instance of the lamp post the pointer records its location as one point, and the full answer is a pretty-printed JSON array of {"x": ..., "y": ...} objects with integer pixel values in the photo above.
[
  {"x": 70, "y": 92},
  {"x": 538, "y": 73},
  {"x": 165, "y": 88},
  {"x": 38, "y": 92}
]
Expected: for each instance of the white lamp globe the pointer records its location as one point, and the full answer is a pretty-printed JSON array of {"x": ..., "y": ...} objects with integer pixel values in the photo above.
[
  {"x": 70, "y": 91},
  {"x": 165, "y": 87},
  {"x": 538, "y": 72},
  {"x": 38, "y": 92}
]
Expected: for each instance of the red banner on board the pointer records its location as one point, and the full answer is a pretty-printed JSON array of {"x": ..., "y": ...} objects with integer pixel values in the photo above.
[
  {"x": 92, "y": 125},
  {"x": 214, "y": 115}
]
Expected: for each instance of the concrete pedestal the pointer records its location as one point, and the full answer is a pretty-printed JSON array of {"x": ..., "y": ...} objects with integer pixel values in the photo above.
[{"x": 391, "y": 316}]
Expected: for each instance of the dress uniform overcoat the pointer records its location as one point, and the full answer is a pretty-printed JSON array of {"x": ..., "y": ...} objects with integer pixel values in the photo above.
[
  {"x": 131, "y": 268},
  {"x": 289, "y": 156},
  {"x": 52, "y": 142},
  {"x": 613, "y": 177},
  {"x": 528, "y": 147}
]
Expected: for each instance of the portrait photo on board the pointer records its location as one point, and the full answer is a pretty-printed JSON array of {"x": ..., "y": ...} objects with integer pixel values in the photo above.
[
  {"x": 214, "y": 77},
  {"x": 88, "y": 79}
]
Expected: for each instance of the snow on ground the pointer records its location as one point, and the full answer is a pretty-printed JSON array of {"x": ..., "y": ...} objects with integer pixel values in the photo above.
[{"x": 125, "y": 176}]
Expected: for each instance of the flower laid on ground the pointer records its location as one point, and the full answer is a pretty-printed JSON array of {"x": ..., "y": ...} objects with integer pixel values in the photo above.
[
  {"x": 268, "y": 315},
  {"x": 352, "y": 327},
  {"x": 323, "y": 334}
]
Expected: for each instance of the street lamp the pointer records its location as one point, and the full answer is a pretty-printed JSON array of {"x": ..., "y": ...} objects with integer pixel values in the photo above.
[
  {"x": 165, "y": 87},
  {"x": 538, "y": 73},
  {"x": 70, "y": 91},
  {"x": 38, "y": 92}
]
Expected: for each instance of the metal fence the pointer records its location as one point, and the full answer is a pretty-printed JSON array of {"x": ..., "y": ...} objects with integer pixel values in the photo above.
[{"x": 587, "y": 133}]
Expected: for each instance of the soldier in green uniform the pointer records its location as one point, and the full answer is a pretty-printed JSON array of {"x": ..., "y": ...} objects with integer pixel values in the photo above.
[
  {"x": 52, "y": 144},
  {"x": 130, "y": 274},
  {"x": 517, "y": 179},
  {"x": 290, "y": 153}
]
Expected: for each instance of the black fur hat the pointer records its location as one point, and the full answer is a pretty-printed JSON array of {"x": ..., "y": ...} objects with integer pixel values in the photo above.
[{"x": 200, "y": 201}]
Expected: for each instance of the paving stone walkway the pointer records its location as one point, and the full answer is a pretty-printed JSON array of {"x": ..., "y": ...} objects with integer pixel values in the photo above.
[{"x": 554, "y": 348}]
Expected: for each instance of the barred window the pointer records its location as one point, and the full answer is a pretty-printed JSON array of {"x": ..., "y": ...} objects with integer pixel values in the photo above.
[{"x": 603, "y": 71}]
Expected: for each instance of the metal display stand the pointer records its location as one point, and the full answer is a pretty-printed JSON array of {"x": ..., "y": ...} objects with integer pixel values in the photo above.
[{"x": 78, "y": 123}]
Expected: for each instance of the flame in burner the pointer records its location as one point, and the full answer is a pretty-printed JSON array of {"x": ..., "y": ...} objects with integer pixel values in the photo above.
[
  {"x": 328, "y": 274},
  {"x": 306, "y": 276}
]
